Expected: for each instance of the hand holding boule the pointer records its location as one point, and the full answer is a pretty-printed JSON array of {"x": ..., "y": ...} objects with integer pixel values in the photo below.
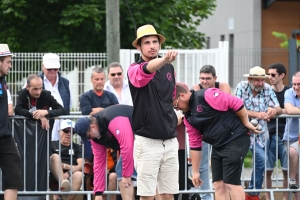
[
  {"x": 259, "y": 128},
  {"x": 254, "y": 122}
]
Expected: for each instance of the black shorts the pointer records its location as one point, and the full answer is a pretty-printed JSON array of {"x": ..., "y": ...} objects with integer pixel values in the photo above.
[
  {"x": 227, "y": 161},
  {"x": 10, "y": 163}
]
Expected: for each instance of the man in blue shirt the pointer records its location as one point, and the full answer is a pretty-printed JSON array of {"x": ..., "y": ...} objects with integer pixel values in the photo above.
[
  {"x": 95, "y": 100},
  {"x": 291, "y": 133},
  {"x": 92, "y": 102}
]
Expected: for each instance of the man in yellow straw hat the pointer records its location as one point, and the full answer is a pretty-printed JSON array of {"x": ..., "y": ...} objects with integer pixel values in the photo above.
[
  {"x": 152, "y": 86},
  {"x": 261, "y": 104}
]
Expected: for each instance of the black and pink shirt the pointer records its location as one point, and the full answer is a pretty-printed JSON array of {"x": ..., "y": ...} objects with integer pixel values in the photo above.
[
  {"x": 212, "y": 118},
  {"x": 115, "y": 129},
  {"x": 152, "y": 96}
]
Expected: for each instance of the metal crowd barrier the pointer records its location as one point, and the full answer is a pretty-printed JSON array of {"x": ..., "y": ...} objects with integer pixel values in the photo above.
[{"x": 245, "y": 177}]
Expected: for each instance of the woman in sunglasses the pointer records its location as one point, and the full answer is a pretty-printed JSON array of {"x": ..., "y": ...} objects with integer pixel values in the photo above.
[{"x": 110, "y": 128}]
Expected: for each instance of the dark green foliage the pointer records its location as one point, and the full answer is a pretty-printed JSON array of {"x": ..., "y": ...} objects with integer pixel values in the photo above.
[{"x": 79, "y": 25}]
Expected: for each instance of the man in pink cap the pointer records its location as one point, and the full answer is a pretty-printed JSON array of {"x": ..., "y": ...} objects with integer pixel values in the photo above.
[{"x": 10, "y": 162}]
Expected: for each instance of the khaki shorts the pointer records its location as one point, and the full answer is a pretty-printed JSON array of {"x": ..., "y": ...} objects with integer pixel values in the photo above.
[{"x": 156, "y": 163}]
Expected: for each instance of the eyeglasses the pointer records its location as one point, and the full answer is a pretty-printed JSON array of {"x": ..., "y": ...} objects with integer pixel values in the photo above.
[
  {"x": 66, "y": 130},
  {"x": 273, "y": 75},
  {"x": 176, "y": 105},
  {"x": 114, "y": 74},
  {"x": 52, "y": 69},
  {"x": 1, "y": 90},
  {"x": 205, "y": 79},
  {"x": 257, "y": 75},
  {"x": 296, "y": 84}
]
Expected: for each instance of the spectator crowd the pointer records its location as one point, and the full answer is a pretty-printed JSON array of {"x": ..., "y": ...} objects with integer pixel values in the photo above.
[{"x": 131, "y": 131}]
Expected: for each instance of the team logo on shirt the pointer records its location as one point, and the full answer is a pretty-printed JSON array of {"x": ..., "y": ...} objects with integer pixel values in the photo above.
[
  {"x": 169, "y": 76},
  {"x": 199, "y": 108}
]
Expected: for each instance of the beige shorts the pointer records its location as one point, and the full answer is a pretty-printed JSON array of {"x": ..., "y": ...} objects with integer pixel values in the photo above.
[{"x": 156, "y": 163}]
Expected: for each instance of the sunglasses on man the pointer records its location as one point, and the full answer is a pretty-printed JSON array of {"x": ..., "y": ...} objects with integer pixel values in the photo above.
[
  {"x": 114, "y": 74},
  {"x": 273, "y": 75},
  {"x": 67, "y": 131},
  {"x": 52, "y": 69}
]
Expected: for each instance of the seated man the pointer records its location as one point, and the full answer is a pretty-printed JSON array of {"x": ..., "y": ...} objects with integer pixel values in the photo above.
[
  {"x": 35, "y": 103},
  {"x": 38, "y": 106},
  {"x": 61, "y": 168}
]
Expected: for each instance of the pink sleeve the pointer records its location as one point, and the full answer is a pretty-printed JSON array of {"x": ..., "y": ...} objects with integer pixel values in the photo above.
[
  {"x": 137, "y": 77},
  {"x": 99, "y": 152},
  {"x": 222, "y": 101},
  {"x": 174, "y": 92},
  {"x": 120, "y": 127},
  {"x": 195, "y": 137}
]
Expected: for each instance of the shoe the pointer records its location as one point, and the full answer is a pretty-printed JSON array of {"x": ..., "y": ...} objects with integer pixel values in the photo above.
[
  {"x": 65, "y": 186},
  {"x": 293, "y": 184},
  {"x": 251, "y": 197}
]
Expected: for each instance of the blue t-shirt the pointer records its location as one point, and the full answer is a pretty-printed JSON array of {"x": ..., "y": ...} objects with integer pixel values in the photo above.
[
  {"x": 89, "y": 100},
  {"x": 292, "y": 124}
]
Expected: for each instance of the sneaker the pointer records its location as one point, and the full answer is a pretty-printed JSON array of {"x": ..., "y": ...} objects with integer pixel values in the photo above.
[
  {"x": 293, "y": 184},
  {"x": 65, "y": 186}
]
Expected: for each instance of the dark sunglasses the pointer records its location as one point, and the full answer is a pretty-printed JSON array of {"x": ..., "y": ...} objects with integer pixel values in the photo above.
[
  {"x": 257, "y": 75},
  {"x": 273, "y": 75},
  {"x": 67, "y": 131},
  {"x": 52, "y": 69},
  {"x": 119, "y": 74}
]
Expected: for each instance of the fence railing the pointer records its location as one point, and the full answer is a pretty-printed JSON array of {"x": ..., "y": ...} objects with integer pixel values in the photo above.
[
  {"x": 22, "y": 132},
  {"x": 76, "y": 67}
]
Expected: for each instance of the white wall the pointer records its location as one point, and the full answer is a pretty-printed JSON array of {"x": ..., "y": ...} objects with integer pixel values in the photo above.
[{"x": 246, "y": 26}]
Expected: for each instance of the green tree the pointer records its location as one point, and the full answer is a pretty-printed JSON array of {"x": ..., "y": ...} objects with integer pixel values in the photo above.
[{"x": 79, "y": 25}]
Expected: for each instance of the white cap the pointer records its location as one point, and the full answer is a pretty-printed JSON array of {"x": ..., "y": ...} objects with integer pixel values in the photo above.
[
  {"x": 51, "y": 61},
  {"x": 67, "y": 123}
]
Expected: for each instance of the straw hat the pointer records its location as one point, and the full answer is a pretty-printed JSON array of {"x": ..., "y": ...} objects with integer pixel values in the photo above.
[
  {"x": 147, "y": 30},
  {"x": 257, "y": 72},
  {"x": 4, "y": 50}
]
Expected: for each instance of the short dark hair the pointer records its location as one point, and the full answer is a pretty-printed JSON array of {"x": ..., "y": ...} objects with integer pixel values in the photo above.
[
  {"x": 31, "y": 77},
  {"x": 140, "y": 39},
  {"x": 180, "y": 89},
  {"x": 280, "y": 68},
  {"x": 97, "y": 70},
  {"x": 208, "y": 69},
  {"x": 112, "y": 65}
]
